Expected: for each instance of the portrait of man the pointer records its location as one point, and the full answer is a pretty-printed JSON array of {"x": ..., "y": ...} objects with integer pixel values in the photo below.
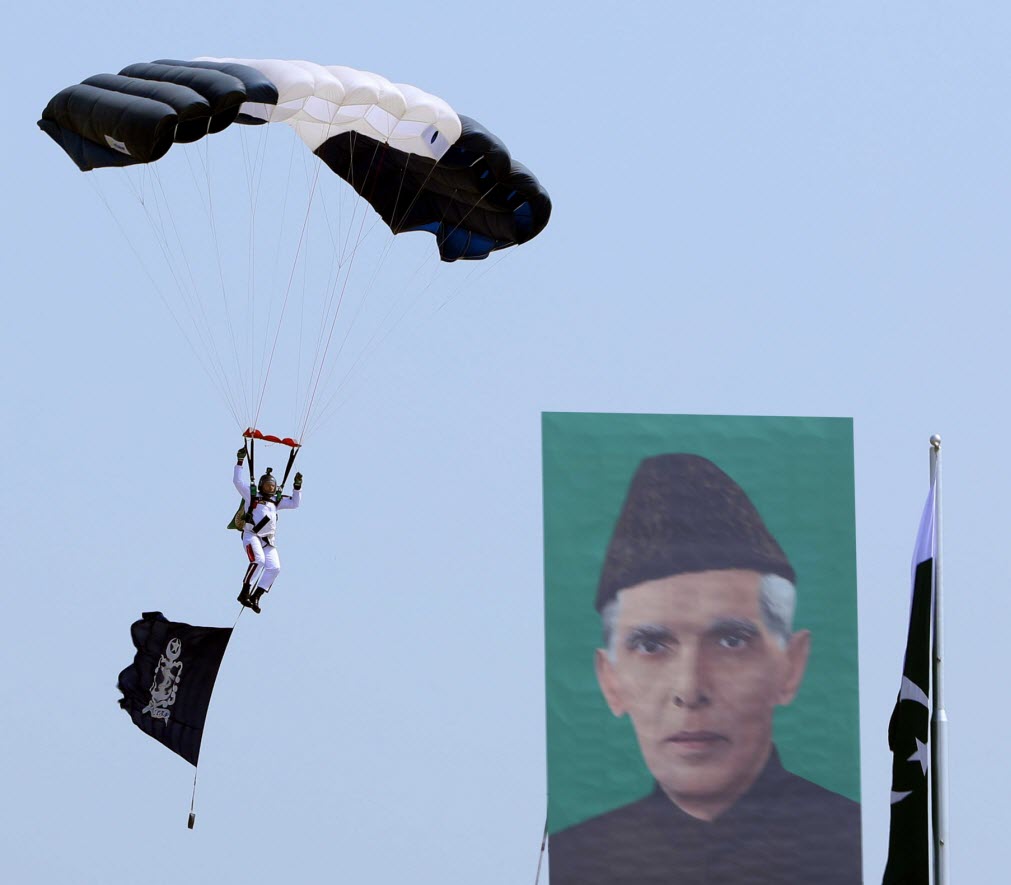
[{"x": 696, "y": 602}]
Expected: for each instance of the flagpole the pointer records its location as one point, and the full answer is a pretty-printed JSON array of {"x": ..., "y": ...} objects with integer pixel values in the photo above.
[{"x": 939, "y": 720}]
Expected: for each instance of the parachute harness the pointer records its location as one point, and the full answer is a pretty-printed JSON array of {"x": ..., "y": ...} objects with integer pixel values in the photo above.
[{"x": 249, "y": 444}]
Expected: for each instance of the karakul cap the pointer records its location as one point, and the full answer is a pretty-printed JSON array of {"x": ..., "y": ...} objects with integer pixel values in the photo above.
[{"x": 683, "y": 514}]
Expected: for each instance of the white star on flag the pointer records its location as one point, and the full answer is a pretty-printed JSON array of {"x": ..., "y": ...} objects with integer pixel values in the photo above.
[{"x": 921, "y": 755}]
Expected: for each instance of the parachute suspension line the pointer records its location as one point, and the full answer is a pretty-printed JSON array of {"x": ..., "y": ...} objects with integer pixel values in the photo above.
[
  {"x": 393, "y": 215},
  {"x": 394, "y": 226},
  {"x": 344, "y": 263},
  {"x": 336, "y": 251},
  {"x": 250, "y": 267},
  {"x": 324, "y": 312},
  {"x": 466, "y": 214},
  {"x": 287, "y": 292},
  {"x": 157, "y": 224},
  {"x": 303, "y": 243},
  {"x": 284, "y": 208},
  {"x": 476, "y": 272},
  {"x": 389, "y": 329},
  {"x": 205, "y": 158},
  {"x": 234, "y": 393},
  {"x": 298, "y": 363},
  {"x": 200, "y": 357},
  {"x": 400, "y": 190},
  {"x": 452, "y": 231},
  {"x": 257, "y": 369},
  {"x": 316, "y": 368},
  {"x": 324, "y": 414},
  {"x": 284, "y": 212},
  {"x": 309, "y": 185},
  {"x": 319, "y": 364},
  {"x": 421, "y": 189},
  {"x": 319, "y": 289},
  {"x": 383, "y": 331},
  {"x": 309, "y": 169},
  {"x": 366, "y": 351},
  {"x": 165, "y": 208},
  {"x": 354, "y": 211},
  {"x": 417, "y": 271},
  {"x": 336, "y": 254},
  {"x": 190, "y": 296},
  {"x": 372, "y": 345},
  {"x": 156, "y": 221},
  {"x": 253, "y": 166}
]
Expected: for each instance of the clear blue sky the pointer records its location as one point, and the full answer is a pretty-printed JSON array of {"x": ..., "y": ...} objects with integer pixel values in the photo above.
[{"x": 774, "y": 208}]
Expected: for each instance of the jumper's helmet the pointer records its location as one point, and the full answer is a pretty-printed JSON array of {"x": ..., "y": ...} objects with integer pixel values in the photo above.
[{"x": 267, "y": 484}]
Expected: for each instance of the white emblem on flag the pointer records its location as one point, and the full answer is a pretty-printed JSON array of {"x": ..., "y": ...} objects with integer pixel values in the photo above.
[{"x": 166, "y": 682}]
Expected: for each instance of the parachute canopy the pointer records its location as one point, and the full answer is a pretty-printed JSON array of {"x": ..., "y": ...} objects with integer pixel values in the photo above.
[{"x": 421, "y": 165}]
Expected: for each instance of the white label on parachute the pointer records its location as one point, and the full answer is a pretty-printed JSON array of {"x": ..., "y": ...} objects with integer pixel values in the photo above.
[
  {"x": 117, "y": 145},
  {"x": 166, "y": 681}
]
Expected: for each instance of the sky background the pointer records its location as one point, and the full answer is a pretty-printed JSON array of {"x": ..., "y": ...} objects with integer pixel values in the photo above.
[{"x": 777, "y": 208}]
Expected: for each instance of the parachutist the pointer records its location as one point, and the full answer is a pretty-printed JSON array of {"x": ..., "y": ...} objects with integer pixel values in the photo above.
[{"x": 259, "y": 525}]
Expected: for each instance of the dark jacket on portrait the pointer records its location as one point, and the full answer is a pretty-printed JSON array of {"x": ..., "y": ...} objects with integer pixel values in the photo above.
[{"x": 784, "y": 831}]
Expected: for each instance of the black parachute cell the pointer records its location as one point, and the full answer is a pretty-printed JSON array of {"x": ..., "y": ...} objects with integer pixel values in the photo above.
[
  {"x": 191, "y": 108},
  {"x": 99, "y": 127},
  {"x": 223, "y": 92},
  {"x": 167, "y": 688},
  {"x": 136, "y": 115},
  {"x": 476, "y": 199},
  {"x": 259, "y": 89}
]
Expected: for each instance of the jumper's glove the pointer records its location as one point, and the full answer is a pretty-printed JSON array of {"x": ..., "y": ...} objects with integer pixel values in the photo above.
[
  {"x": 298, "y": 482},
  {"x": 241, "y": 454}
]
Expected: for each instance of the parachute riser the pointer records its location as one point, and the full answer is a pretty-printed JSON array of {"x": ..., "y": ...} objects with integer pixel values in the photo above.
[
  {"x": 249, "y": 456},
  {"x": 287, "y": 469}
]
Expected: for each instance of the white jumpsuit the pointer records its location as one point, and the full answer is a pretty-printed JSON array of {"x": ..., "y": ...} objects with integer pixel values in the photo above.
[{"x": 258, "y": 534}]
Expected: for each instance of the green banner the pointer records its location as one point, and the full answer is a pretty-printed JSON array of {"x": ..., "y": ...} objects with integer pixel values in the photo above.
[{"x": 689, "y": 532}]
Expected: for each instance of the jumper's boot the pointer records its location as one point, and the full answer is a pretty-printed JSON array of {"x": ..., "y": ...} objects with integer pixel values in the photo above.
[
  {"x": 247, "y": 581},
  {"x": 254, "y": 600}
]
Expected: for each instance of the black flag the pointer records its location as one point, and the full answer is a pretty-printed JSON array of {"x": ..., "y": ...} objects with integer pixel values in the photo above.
[
  {"x": 908, "y": 730},
  {"x": 167, "y": 688}
]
